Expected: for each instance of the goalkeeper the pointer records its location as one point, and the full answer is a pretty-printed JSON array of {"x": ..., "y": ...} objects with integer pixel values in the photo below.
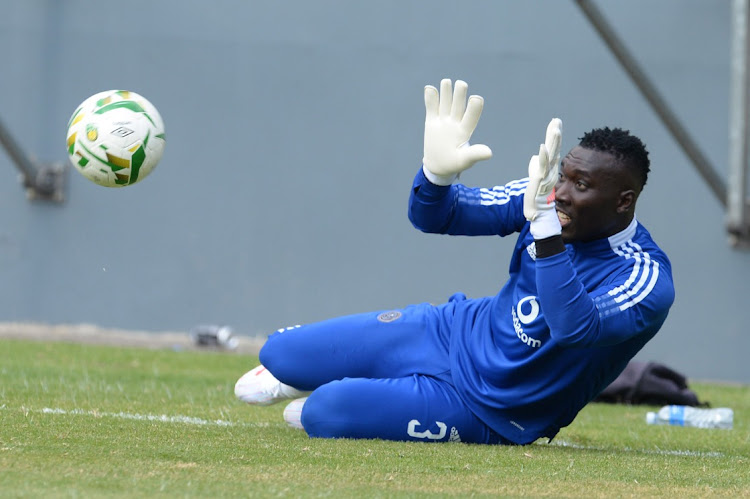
[{"x": 587, "y": 288}]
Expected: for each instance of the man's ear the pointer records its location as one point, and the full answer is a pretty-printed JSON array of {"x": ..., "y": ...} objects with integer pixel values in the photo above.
[{"x": 626, "y": 201}]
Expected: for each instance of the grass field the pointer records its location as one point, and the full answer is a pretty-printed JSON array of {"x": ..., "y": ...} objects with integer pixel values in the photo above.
[{"x": 97, "y": 421}]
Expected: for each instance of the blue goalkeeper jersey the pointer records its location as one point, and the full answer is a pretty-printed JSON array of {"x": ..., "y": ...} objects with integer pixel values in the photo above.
[{"x": 561, "y": 329}]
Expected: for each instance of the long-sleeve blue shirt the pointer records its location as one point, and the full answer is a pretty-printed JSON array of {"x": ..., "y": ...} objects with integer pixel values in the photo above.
[{"x": 561, "y": 329}]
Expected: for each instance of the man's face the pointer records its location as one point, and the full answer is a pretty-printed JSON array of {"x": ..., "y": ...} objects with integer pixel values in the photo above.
[{"x": 589, "y": 195}]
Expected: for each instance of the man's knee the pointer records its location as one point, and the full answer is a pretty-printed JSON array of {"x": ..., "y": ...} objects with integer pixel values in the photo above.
[
  {"x": 273, "y": 356},
  {"x": 268, "y": 353},
  {"x": 327, "y": 413}
]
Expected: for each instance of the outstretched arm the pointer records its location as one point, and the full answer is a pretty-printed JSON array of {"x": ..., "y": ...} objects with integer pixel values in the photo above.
[
  {"x": 460, "y": 210},
  {"x": 438, "y": 205}
]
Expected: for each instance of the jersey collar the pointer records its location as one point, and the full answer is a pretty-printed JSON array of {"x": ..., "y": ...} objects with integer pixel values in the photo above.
[
  {"x": 606, "y": 244},
  {"x": 624, "y": 235}
]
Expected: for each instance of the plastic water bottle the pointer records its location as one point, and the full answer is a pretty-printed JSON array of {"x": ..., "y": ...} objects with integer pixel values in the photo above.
[{"x": 683, "y": 415}]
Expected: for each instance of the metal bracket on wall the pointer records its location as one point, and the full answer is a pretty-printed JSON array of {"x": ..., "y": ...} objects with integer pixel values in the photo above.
[
  {"x": 43, "y": 181},
  {"x": 734, "y": 199},
  {"x": 739, "y": 233}
]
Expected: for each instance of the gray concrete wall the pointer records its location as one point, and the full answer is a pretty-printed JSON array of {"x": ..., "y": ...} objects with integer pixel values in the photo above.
[{"x": 294, "y": 130}]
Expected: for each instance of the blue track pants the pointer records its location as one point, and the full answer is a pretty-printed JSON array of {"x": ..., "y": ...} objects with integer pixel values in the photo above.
[{"x": 377, "y": 375}]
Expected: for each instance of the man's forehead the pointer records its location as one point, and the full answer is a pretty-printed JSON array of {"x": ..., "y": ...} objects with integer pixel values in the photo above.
[
  {"x": 592, "y": 165},
  {"x": 588, "y": 159}
]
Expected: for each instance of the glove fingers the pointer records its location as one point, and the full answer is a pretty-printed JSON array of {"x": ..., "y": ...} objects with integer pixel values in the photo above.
[
  {"x": 538, "y": 201},
  {"x": 534, "y": 167},
  {"x": 472, "y": 114},
  {"x": 553, "y": 148},
  {"x": 543, "y": 162},
  {"x": 548, "y": 171},
  {"x": 430, "y": 102},
  {"x": 476, "y": 152},
  {"x": 553, "y": 140},
  {"x": 459, "y": 100},
  {"x": 529, "y": 197},
  {"x": 446, "y": 97},
  {"x": 539, "y": 168},
  {"x": 554, "y": 126}
]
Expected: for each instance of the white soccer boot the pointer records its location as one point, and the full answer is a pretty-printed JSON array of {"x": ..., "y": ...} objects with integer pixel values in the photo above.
[
  {"x": 293, "y": 413},
  {"x": 260, "y": 387}
]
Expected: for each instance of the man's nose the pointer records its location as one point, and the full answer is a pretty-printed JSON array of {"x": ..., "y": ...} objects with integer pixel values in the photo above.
[{"x": 561, "y": 192}]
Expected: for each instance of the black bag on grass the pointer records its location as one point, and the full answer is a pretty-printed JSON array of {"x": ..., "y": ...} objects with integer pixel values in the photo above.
[{"x": 649, "y": 383}]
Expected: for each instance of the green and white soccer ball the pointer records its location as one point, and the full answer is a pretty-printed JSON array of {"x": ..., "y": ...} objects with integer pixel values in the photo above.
[{"x": 115, "y": 138}]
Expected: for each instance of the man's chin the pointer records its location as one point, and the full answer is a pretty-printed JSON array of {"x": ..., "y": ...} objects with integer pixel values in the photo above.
[{"x": 568, "y": 235}]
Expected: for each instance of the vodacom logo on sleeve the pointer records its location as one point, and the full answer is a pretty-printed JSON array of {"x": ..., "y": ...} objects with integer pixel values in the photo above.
[{"x": 524, "y": 313}]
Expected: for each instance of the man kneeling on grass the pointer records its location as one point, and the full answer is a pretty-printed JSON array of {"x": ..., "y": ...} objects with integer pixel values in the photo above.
[{"x": 588, "y": 287}]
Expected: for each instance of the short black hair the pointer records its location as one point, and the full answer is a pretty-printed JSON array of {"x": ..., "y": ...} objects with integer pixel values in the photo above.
[{"x": 621, "y": 144}]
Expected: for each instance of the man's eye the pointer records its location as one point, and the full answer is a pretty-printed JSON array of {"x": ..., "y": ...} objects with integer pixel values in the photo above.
[{"x": 581, "y": 185}]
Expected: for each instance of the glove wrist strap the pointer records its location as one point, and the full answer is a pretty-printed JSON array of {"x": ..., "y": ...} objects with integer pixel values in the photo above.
[
  {"x": 546, "y": 224},
  {"x": 549, "y": 247},
  {"x": 439, "y": 179}
]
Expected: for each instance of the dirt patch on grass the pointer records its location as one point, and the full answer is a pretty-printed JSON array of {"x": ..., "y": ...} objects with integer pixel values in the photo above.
[{"x": 91, "y": 334}]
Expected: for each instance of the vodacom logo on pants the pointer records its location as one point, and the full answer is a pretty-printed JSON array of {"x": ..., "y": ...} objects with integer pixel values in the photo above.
[{"x": 525, "y": 311}]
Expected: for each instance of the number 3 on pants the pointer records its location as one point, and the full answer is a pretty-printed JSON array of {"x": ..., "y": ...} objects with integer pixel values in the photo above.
[{"x": 412, "y": 430}]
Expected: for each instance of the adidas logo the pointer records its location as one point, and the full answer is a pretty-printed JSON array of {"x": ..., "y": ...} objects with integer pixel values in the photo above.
[{"x": 454, "y": 435}]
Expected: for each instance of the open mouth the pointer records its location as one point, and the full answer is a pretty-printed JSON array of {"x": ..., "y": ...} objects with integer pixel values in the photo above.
[{"x": 564, "y": 219}]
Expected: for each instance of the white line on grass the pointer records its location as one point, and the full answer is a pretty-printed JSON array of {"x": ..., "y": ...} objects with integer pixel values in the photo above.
[
  {"x": 162, "y": 418},
  {"x": 659, "y": 452}
]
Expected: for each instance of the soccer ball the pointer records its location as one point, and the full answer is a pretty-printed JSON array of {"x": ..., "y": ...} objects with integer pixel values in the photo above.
[{"x": 115, "y": 138}]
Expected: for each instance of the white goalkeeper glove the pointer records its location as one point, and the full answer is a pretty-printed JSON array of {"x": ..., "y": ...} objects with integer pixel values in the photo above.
[
  {"x": 449, "y": 123},
  {"x": 539, "y": 199}
]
